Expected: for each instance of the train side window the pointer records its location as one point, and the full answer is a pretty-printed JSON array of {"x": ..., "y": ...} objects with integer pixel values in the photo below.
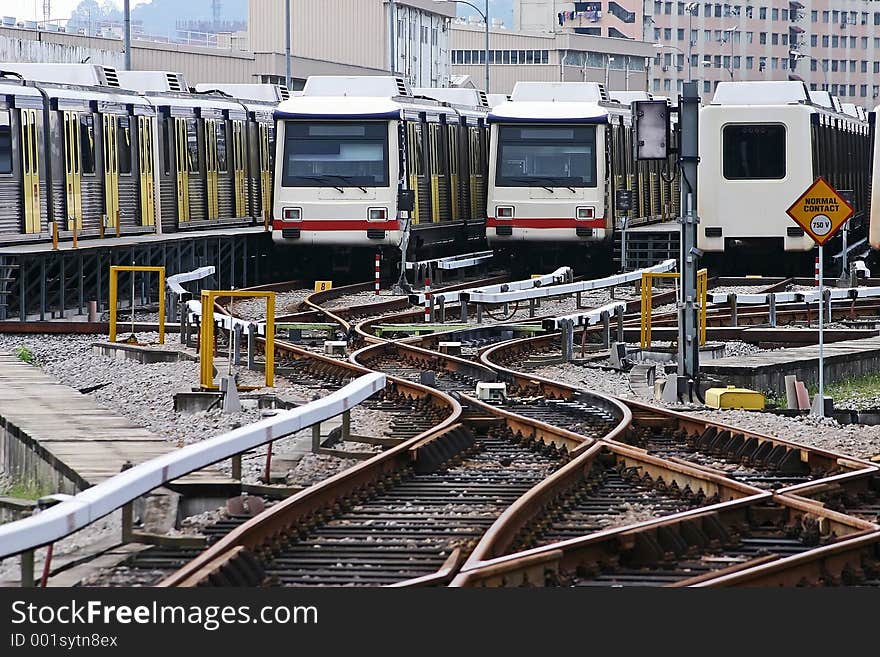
[
  {"x": 192, "y": 145},
  {"x": 87, "y": 143},
  {"x": 123, "y": 144},
  {"x": 754, "y": 152},
  {"x": 221, "y": 147},
  {"x": 167, "y": 145},
  {"x": 5, "y": 143}
]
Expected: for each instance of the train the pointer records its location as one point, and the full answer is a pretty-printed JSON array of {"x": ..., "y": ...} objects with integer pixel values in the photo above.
[
  {"x": 762, "y": 144},
  {"x": 352, "y": 165},
  {"x": 560, "y": 155},
  {"x": 369, "y": 163},
  {"x": 91, "y": 151}
]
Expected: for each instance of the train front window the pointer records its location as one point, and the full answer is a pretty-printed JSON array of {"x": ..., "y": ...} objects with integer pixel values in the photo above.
[
  {"x": 546, "y": 156},
  {"x": 335, "y": 155},
  {"x": 754, "y": 152}
]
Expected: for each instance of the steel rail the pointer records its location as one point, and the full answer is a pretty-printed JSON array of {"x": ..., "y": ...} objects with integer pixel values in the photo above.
[{"x": 84, "y": 508}]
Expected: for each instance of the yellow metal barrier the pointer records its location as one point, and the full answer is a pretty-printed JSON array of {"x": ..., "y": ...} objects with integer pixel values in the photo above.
[
  {"x": 206, "y": 334},
  {"x": 648, "y": 302},
  {"x": 114, "y": 271}
]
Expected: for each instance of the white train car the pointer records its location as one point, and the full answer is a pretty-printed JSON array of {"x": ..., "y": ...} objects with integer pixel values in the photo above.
[
  {"x": 363, "y": 162},
  {"x": 559, "y": 153},
  {"x": 546, "y": 175},
  {"x": 761, "y": 145}
]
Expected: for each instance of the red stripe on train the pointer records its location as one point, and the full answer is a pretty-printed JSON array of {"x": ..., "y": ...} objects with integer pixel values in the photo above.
[
  {"x": 337, "y": 224},
  {"x": 546, "y": 222}
]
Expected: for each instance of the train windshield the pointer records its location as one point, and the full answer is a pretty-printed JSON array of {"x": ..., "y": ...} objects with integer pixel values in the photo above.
[
  {"x": 335, "y": 154},
  {"x": 754, "y": 151},
  {"x": 551, "y": 156}
]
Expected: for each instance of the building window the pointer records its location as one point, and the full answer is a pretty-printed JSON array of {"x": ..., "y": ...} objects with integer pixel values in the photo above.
[
  {"x": 813, "y": 65},
  {"x": 736, "y": 61},
  {"x": 814, "y": 16},
  {"x": 762, "y": 38},
  {"x": 707, "y": 35},
  {"x": 667, "y": 33},
  {"x": 825, "y": 17},
  {"x": 774, "y": 63},
  {"x": 824, "y": 40},
  {"x": 775, "y": 14},
  {"x": 863, "y": 90},
  {"x": 717, "y": 60},
  {"x": 717, "y": 11},
  {"x": 750, "y": 62},
  {"x": 666, "y": 85},
  {"x": 774, "y": 39},
  {"x": 876, "y": 67},
  {"x": 749, "y": 36},
  {"x": 784, "y": 14},
  {"x": 707, "y": 86},
  {"x": 814, "y": 40},
  {"x": 835, "y": 41},
  {"x": 864, "y": 66},
  {"x": 852, "y": 90},
  {"x": 680, "y": 34},
  {"x": 762, "y": 13},
  {"x": 667, "y": 8},
  {"x": 656, "y": 84}
]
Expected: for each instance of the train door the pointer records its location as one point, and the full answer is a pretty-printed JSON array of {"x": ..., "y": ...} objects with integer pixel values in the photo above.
[
  {"x": 183, "y": 167},
  {"x": 146, "y": 164},
  {"x": 239, "y": 154},
  {"x": 212, "y": 166},
  {"x": 73, "y": 170},
  {"x": 111, "y": 169},
  {"x": 30, "y": 169},
  {"x": 453, "y": 151},
  {"x": 266, "y": 145}
]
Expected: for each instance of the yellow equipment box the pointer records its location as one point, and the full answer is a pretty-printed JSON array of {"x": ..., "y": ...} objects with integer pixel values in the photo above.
[{"x": 733, "y": 397}]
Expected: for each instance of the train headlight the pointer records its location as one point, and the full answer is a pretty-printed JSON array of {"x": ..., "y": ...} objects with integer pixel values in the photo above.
[
  {"x": 504, "y": 212},
  {"x": 377, "y": 214},
  {"x": 585, "y": 213},
  {"x": 292, "y": 214}
]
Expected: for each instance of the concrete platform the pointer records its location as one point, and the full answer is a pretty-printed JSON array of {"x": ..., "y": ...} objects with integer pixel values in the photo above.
[
  {"x": 53, "y": 435},
  {"x": 767, "y": 371}
]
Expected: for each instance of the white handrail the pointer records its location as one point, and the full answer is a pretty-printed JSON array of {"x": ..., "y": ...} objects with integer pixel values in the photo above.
[
  {"x": 83, "y": 509},
  {"x": 561, "y": 275},
  {"x": 586, "y": 318},
  {"x": 809, "y": 296},
  {"x": 174, "y": 282},
  {"x": 481, "y": 296}
]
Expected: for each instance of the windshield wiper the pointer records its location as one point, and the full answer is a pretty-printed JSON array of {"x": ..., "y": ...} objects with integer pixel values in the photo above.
[
  {"x": 535, "y": 180},
  {"x": 347, "y": 179},
  {"x": 323, "y": 179}
]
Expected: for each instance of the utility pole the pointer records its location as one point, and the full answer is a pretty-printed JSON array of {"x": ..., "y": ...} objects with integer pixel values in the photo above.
[
  {"x": 392, "y": 24},
  {"x": 126, "y": 31},
  {"x": 287, "y": 41},
  {"x": 688, "y": 338}
]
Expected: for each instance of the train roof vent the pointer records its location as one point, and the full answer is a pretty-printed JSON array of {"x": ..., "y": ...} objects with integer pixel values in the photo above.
[
  {"x": 110, "y": 76},
  {"x": 821, "y": 98},
  {"x": 585, "y": 92},
  {"x": 78, "y": 74},
  {"x": 627, "y": 97},
  {"x": 378, "y": 86},
  {"x": 152, "y": 80},
  {"x": 761, "y": 93},
  {"x": 269, "y": 93},
  {"x": 173, "y": 81},
  {"x": 454, "y": 95}
]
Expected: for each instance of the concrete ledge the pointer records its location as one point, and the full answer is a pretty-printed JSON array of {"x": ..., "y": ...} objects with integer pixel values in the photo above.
[
  {"x": 14, "y": 508},
  {"x": 142, "y": 354},
  {"x": 766, "y": 371}
]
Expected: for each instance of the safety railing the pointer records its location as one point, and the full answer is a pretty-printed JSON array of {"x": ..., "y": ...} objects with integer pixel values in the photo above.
[{"x": 83, "y": 509}]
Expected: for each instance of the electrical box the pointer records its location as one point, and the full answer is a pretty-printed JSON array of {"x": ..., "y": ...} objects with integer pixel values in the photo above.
[
  {"x": 450, "y": 348},
  {"x": 492, "y": 391},
  {"x": 335, "y": 347},
  {"x": 733, "y": 397},
  {"x": 651, "y": 129}
]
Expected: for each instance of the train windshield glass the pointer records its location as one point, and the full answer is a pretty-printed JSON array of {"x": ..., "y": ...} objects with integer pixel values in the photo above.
[
  {"x": 754, "y": 151},
  {"x": 335, "y": 155},
  {"x": 552, "y": 156}
]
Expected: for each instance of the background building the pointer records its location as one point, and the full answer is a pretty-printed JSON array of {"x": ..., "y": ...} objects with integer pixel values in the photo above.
[
  {"x": 548, "y": 56},
  {"x": 831, "y": 44},
  {"x": 343, "y": 37}
]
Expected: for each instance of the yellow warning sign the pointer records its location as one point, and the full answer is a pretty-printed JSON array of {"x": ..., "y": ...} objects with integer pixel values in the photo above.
[
  {"x": 820, "y": 211},
  {"x": 323, "y": 286}
]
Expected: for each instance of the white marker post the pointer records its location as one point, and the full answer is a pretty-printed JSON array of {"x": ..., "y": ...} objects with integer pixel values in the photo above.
[
  {"x": 821, "y": 211},
  {"x": 820, "y": 410}
]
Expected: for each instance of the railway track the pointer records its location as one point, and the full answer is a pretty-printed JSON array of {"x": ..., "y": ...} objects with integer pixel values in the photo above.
[{"x": 550, "y": 486}]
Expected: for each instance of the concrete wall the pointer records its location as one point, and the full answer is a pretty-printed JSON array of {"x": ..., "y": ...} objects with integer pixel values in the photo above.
[{"x": 14, "y": 48}]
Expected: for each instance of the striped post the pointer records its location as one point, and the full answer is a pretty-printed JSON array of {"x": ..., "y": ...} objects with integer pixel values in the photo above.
[
  {"x": 427, "y": 300},
  {"x": 817, "y": 271},
  {"x": 377, "y": 271}
]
